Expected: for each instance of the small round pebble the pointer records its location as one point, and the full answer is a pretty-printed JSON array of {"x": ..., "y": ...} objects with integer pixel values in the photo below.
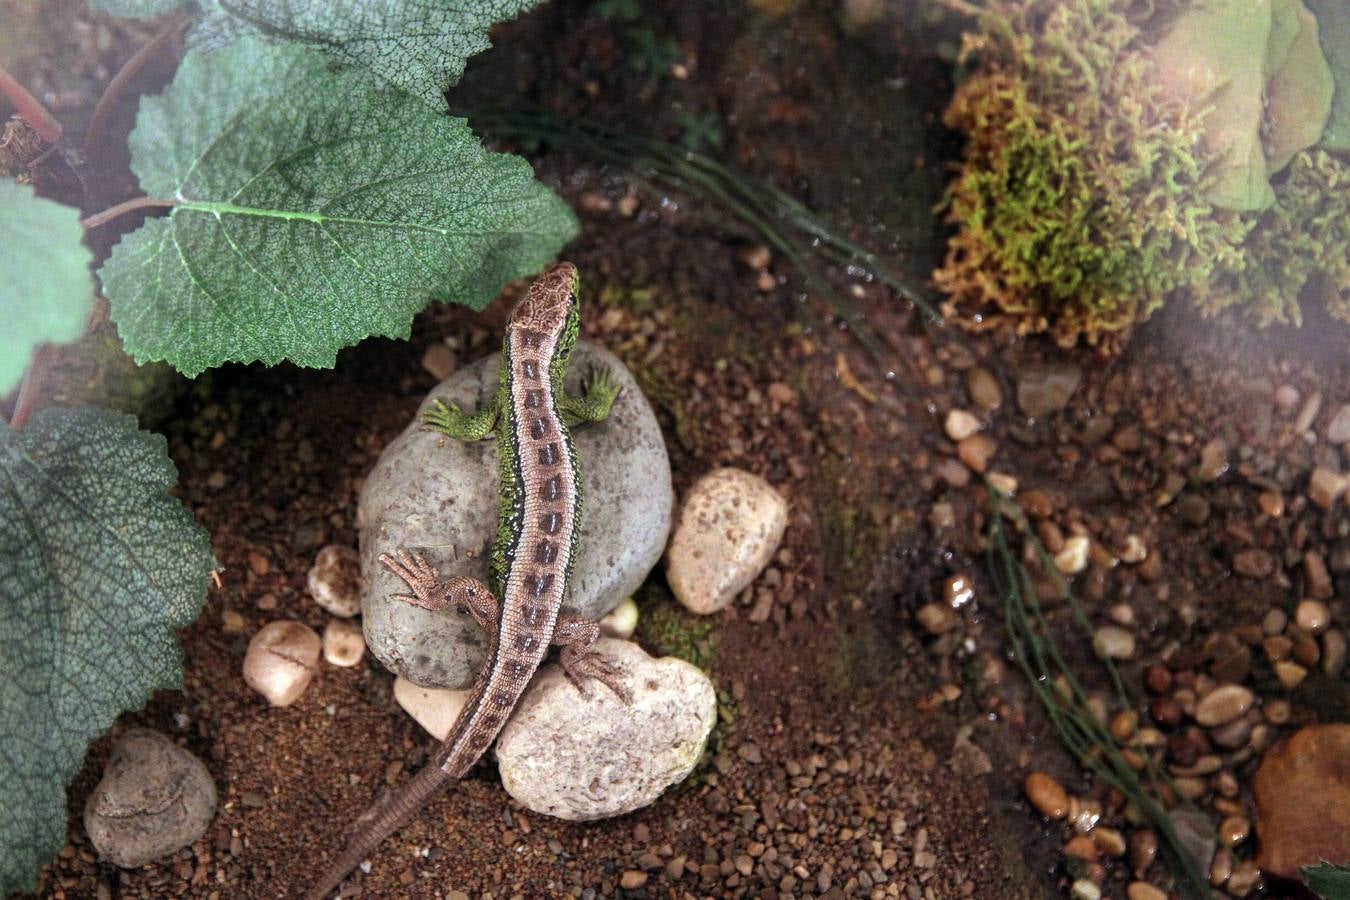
[
  {"x": 1084, "y": 889},
  {"x": 154, "y": 798},
  {"x": 435, "y": 709},
  {"x": 1113, "y": 642},
  {"x": 729, "y": 527},
  {"x": 335, "y": 580},
  {"x": 1312, "y": 616},
  {"x": 1325, "y": 486},
  {"x": 960, "y": 424},
  {"x": 976, "y": 451},
  {"x": 985, "y": 391},
  {"x": 1142, "y": 890},
  {"x": 281, "y": 660},
  {"x": 1223, "y": 705},
  {"x": 1073, "y": 558},
  {"x": 343, "y": 643},
  {"x": 621, "y": 621},
  {"x": 1047, "y": 795},
  {"x": 1289, "y": 674},
  {"x": 936, "y": 618}
]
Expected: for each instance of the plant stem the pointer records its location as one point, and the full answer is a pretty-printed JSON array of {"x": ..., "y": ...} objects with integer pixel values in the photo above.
[
  {"x": 125, "y": 206},
  {"x": 30, "y": 108},
  {"x": 27, "y": 399},
  {"x": 98, "y": 123}
]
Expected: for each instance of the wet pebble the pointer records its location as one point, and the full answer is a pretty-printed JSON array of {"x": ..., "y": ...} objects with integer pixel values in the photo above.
[
  {"x": 1046, "y": 389},
  {"x": 729, "y": 527},
  {"x": 1213, "y": 460},
  {"x": 976, "y": 451},
  {"x": 1302, "y": 787},
  {"x": 1253, "y": 562},
  {"x": 1047, "y": 795},
  {"x": 154, "y": 798},
  {"x": 1246, "y": 876},
  {"x": 334, "y": 580},
  {"x": 1312, "y": 616},
  {"x": 1223, "y": 704},
  {"x": 1073, "y": 556},
  {"x": 281, "y": 660},
  {"x": 1289, "y": 674},
  {"x": 985, "y": 391}
]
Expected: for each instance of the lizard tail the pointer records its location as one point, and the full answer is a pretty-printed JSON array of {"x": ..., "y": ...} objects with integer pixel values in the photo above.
[{"x": 384, "y": 820}]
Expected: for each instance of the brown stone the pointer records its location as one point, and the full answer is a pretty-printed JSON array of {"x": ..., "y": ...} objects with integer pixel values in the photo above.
[{"x": 1303, "y": 800}]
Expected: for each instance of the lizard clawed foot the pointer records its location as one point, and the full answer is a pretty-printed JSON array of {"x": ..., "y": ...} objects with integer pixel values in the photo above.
[
  {"x": 427, "y": 590},
  {"x": 589, "y": 664}
]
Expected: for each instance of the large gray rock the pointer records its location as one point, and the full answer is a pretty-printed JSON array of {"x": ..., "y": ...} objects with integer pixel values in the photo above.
[
  {"x": 437, "y": 496},
  {"x": 155, "y": 798},
  {"x": 582, "y": 758}
]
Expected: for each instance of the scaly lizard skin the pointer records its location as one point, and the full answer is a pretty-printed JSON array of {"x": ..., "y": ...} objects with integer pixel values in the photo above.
[{"x": 532, "y": 555}]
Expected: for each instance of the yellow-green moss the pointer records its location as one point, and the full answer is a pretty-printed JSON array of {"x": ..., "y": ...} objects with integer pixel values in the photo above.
[{"x": 1081, "y": 202}]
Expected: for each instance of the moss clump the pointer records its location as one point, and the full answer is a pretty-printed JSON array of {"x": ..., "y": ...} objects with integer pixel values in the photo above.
[
  {"x": 1082, "y": 200},
  {"x": 1306, "y": 233}
]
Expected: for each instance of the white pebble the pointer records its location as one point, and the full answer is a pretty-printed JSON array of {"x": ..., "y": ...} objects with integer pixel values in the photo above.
[
  {"x": 343, "y": 643},
  {"x": 960, "y": 424},
  {"x": 435, "y": 709},
  {"x": 1073, "y": 558},
  {"x": 728, "y": 530},
  {"x": 1113, "y": 642},
  {"x": 621, "y": 621},
  {"x": 335, "y": 580},
  {"x": 281, "y": 660}
]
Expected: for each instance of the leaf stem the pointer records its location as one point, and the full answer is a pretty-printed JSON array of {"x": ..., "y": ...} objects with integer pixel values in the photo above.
[
  {"x": 27, "y": 399},
  {"x": 125, "y": 206},
  {"x": 30, "y": 108},
  {"x": 98, "y": 123}
]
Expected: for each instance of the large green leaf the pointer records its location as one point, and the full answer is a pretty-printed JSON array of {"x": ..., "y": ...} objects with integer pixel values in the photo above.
[
  {"x": 97, "y": 565},
  {"x": 1328, "y": 881},
  {"x": 418, "y": 45},
  {"x": 1333, "y": 28},
  {"x": 137, "y": 9},
  {"x": 45, "y": 287},
  {"x": 314, "y": 209}
]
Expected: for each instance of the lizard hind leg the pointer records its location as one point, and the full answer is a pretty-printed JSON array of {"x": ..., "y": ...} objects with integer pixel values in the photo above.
[
  {"x": 580, "y": 661},
  {"x": 448, "y": 419},
  {"x": 430, "y": 592}
]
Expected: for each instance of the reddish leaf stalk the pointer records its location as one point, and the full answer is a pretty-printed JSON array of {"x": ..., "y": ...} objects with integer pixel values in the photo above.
[
  {"x": 98, "y": 122},
  {"x": 28, "y": 106},
  {"x": 125, "y": 206},
  {"x": 28, "y": 389}
]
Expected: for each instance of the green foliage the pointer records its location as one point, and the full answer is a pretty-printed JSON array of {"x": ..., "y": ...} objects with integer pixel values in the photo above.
[
  {"x": 47, "y": 302},
  {"x": 97, "y": 565},
  {"x": 418, "y": 45},
  {"x": 1333, "y": 27},
  {"x": 314, "y": 209},
  {"x": 1306, "y": 233},
  {"x": 1080, "y": 202},
  {"x": 1328, "y": 881},
  {"x": 1084, "y": 197},
  {"x": 137, "y": 9}
]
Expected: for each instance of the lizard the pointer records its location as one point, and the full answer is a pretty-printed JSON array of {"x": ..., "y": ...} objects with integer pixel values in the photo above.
[{"x": 539, "y": 519}]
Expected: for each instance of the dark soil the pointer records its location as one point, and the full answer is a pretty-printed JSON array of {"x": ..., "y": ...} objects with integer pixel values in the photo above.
[{"x": 855, "y": 754}]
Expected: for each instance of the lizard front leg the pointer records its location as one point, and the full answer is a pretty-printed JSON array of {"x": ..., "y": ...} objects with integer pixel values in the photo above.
[
  {"x": 598, "y": 393},
  {"x": 577, "y": 637},
  {"x": 448, "y": 419},
  {"x": 429, "y": 592}
]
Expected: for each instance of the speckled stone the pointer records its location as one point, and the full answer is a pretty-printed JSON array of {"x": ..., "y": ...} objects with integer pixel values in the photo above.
[
  {"x": 588, "y": 757},
  {"x": 438, "y": 497},
  {"x": 154, "y": 798},
  {"x": 1302, "y": 793}
]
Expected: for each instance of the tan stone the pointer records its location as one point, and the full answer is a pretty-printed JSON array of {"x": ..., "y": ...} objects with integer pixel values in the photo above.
[
  {"x": 1303, "y": 800},
  {"x": 435, "y": 709},
  {"x": 281, "y": 660}
]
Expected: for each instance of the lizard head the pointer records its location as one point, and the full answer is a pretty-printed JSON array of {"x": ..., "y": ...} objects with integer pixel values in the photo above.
[{"x": 552, "y": 307}]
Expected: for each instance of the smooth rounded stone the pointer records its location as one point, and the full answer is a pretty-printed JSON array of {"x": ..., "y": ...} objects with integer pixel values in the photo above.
[
  {"x": 281, "y": 660},
  {"x": 437, "y": 496},
  {"x": 1325, "y": 486},
  {"x": 582, "y": 758},
  {"x": 1338, "y": 429},
  {"x": 1254, "y": 562},
  {"x": 976, "y": 451},
  {"x": 335, "y": 580},
  {"x": 985, "y": 391},
  {"x": 1312, "y": 616},
  {"x": 1333, "y": 653},
  {"x": 730, "y": 525},
  {"x": 1142, "y": 890},
  {"x": 1213, "y": 460},
  {"x": 1289, "y": 674},
  {"x": 937, "y": 618},
  {"x": 1073, "y": 557},
  {"x": 1113, "y": 642},
  {"x": 1083, "y": 889},
  {"x": 1302, "y": 790},
  {"x": 960, "y": 424},
  {"x": 435, "y": 709},
  {"x": 1223, "y": 704},
  {"x": 1047, "y": 795},
  {"x": 621, "y": 621},
  {"x": 343, "y": 643},
  {"x": 154, "y": 798},
  {"x": 1046, "y": 389}
]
